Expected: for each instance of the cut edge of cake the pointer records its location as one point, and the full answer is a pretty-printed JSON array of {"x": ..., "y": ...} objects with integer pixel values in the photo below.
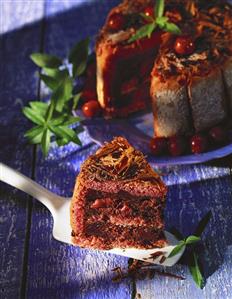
[{"x": 116, "y": 211}]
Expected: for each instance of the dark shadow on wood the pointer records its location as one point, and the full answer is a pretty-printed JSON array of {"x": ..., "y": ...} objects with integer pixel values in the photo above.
[{"x": 186, "y": 213}]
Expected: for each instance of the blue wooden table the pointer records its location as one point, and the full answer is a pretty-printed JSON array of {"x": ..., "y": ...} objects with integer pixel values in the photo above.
[{"x": 32, "y": 263}]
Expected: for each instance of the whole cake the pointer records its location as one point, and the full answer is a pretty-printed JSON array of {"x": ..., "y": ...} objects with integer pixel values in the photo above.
[
  {"x": 118, "y": 200},
  {"x": 187, "y": 79}
]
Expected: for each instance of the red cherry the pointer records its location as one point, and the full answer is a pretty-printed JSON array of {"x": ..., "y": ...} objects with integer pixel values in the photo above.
[
  {"x": 91, "y": 108},
  {"x": 158, "y": 145},
  {"x": 199, "y": 144},
  {"x": 176, "y": 146},
  {"x": 149, "y": 11},
  {"x": 184, "y": 45},
  {"x": 217, "y": 134},
  {"x": 116, "y": 22}
]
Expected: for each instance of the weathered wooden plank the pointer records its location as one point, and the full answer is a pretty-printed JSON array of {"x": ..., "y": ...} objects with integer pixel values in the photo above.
[
  {"x": 193, "y": 190},
  {"x": 57, "y": 270},
  {"x": 16, "y": 14},
  {"x": 17, "y": 85}
]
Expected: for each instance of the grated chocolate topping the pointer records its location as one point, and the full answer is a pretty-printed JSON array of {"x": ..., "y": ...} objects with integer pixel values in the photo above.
[
  {"x": 118, "y": 160},
  {"x": 209, "y": 23}
]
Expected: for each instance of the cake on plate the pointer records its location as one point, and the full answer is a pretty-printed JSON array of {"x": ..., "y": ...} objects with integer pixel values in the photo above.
[
  {"x": 118, "y": 200},
  {"x": 187, "y": 78}
]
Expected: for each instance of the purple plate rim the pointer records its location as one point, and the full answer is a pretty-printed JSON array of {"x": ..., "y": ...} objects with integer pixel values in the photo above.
[{"x": 159, "y": 161}]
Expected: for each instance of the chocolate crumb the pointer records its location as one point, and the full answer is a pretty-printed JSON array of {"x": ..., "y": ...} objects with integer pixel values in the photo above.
[
  {"x": 141, "y": 270},
  {"x": 163, "y": 259},
  {"x": 157, "y": 254}
]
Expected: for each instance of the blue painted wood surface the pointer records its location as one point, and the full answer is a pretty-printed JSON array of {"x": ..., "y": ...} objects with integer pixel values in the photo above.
[
  {"x": 18, "y": 84},
  {"x": 55, "y": 270}
]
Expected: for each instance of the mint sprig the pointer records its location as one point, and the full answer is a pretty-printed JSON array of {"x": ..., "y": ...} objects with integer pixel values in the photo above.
[
  {"x": 194, "y": 269},
  {"x": 193, "y": 258},
  {"x": 52, "y": 120},
  {"x": 45, "y": 60},
  {"x": 158, "y": 20},
  {"x": 183, "y": 243}
]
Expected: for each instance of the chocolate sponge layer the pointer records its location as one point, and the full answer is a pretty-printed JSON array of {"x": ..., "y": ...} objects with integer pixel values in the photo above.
[{"x": 118, "y": 200}]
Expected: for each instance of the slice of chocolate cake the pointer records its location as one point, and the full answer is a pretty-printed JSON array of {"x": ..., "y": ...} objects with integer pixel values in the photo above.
[{"x": 118, "y": 200}]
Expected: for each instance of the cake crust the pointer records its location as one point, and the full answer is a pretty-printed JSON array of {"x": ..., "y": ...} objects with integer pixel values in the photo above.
[
  {"x": 208, "y": 100},
  {"x": 227, "y": 77},
  {"x": 170, "y": 108}
]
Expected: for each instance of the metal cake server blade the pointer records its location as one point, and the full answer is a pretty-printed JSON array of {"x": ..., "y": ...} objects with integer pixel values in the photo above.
[{"x": 60, "y": 210}]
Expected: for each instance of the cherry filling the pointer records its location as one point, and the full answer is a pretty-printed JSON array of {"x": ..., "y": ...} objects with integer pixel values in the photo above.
[
  {"x": 129, "y": 77},
  {"x": 136, "y": 220},
  {"x": 132, "y": 236},
  {"x": 123, "y": 209},
  {"x": 127, "y": 71}
]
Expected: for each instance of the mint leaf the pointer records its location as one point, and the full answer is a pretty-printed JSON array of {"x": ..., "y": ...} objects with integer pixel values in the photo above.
[
  {"x": 202, "y": 224},
  {"x": 177, "y": 249},
  {"x": 34, "y": 135},
  {"x": 62, "y": 141},
  {"x": 62, "y": 94},
  {"x": 65, "y": 120},
  {"x": 147, "y": 18},
  {"x": 54, "y": 80},
  {"x": 45, "y": 142},
  {"x": 161, "y": 22},
  {"x": 71, "y": 120},
  {"x": 50, "y": 81},
  {"x": 55, "y": 116},
  {"x": 45, "y": 60},
  {"x": 173, "y": 28},
  {"x": 159, "y": 8},
  {"x": 57, "y": 120},
  {"x": 71, "y": 133},
  {"x": 39, "y": 107},
  {"x": 33, "y": 116},
  {"x": 78, "y": 56},
  {"x": 182, "y": 243},
  {"x": 192, "y": 240},
  {"x": 76, "y": 99},
  {"x": 50, "y": 111},
  {"x": 195, "y": 271},
  {"x": 144, "y": 31},
  {"x": 65, "y": 132},
  {"x": 56, "y": 73}
]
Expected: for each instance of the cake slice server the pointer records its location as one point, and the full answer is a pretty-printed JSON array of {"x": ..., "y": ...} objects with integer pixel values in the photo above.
[{"x": 60, "y": 210}]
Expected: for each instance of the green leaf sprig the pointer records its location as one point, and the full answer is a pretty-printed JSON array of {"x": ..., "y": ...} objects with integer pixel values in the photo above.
[
  {"x": 53, "y": 119},
  {"x": 193, "y": 258},
  {"x": 158, "y": 20},
  {"x": 183, "y": 243}
]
